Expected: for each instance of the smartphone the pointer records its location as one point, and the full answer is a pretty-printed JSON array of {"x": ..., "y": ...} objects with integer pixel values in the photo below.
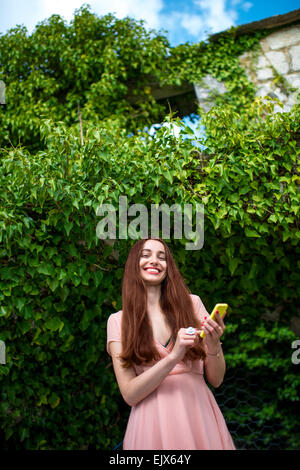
[{"x": 222, "y": 309}]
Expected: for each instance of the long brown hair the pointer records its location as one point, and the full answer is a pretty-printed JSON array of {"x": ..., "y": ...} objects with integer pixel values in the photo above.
[{"x": 137, "y": 336}]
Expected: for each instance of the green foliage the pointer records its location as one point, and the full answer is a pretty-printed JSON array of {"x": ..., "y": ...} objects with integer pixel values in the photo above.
[
  {"x": 107, "y": 67},
  {"x": 59, "y": 282},
  {"x": 96, "y": 62}
]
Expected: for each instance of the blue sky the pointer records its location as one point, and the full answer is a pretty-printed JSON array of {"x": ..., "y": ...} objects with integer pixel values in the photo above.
[{"x": 185, "y": 20}]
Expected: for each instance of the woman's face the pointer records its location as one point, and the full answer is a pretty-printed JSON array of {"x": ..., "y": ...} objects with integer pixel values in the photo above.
[{"x": 153, "y": 264}]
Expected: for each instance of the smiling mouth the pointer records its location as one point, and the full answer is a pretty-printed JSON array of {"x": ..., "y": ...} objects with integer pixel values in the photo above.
[{"x": 152, "y": 270}]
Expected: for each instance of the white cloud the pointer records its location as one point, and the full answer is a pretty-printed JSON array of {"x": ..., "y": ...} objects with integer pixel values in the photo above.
[
  {"x": 193, "y": 24},
  {"x": 138, "y": 9},
  {"x": 243, "y": 5},
  {"x": 63, "y": 8},
  {"x": 148, "y": 10},
  {"x": 215, "y": 14},
  {"x": 246, "y": 6},
  {"x": 206, "y": 17},
  {"x": 195, "y": 21}
]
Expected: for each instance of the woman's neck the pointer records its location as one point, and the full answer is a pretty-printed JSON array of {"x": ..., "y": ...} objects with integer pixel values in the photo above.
[{"x": 153, "y": 296}]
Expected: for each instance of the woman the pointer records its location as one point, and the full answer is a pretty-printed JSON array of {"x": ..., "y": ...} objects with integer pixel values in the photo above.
[{"x": 159, "y": 361}]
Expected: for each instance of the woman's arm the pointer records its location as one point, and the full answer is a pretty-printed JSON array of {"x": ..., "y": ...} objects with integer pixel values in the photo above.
[
  {"x": 214, "y": 363},
  {"x": 135, "y": 388},
  {"x": 215, "y": 367}
]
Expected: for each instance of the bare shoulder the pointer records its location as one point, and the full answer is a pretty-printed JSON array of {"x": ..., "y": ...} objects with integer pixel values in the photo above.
[
  {"x": 116, "y": 316},
  {"x": 195, "y": 298}
]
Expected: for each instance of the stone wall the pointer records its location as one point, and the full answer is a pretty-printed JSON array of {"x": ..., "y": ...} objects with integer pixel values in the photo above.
[{"x": 274, "y": 69}]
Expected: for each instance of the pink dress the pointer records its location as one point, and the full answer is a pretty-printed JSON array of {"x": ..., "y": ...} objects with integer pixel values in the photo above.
[{"x": 182, "y": 413}]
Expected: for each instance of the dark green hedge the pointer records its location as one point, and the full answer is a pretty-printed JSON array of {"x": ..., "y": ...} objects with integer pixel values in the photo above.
[{"x": 59, "y": 282}]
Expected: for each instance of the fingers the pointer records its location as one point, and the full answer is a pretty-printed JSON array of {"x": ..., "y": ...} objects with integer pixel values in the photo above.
[
  {"x": 219, "y": 320},
  {"x": 214, "y": 328},
  {"x": 188, "y": 340}
]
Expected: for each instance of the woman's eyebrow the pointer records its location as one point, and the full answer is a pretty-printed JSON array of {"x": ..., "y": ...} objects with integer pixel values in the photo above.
[{"x": 147, "y": 249}]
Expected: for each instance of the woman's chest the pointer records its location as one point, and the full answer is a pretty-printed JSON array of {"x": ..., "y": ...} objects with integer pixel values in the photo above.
[{"x": 161, "y": 330}]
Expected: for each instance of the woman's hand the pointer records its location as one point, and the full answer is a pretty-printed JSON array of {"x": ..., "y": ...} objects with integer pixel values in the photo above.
[
  {"x": 183, "y": 342},
  {"x": 213, "y": 331}
]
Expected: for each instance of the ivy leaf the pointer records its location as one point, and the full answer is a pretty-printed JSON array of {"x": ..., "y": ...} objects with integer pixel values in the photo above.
[
  {"x": 54, "y": 400},
  {"x": 251, "y": 233},
  {"x": 54, "y": 324},
  {"x": 68, "y": 226}
]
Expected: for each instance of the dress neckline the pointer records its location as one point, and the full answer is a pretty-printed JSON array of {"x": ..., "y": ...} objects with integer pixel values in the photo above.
[{"x": 167, "y": 343}]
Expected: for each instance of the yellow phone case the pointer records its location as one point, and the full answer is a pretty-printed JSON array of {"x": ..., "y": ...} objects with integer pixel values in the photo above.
[{"x": 222, "y": 308}]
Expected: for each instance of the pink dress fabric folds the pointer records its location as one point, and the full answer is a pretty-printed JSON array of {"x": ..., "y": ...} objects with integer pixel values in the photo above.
[{"x": 182, "y": 413}]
